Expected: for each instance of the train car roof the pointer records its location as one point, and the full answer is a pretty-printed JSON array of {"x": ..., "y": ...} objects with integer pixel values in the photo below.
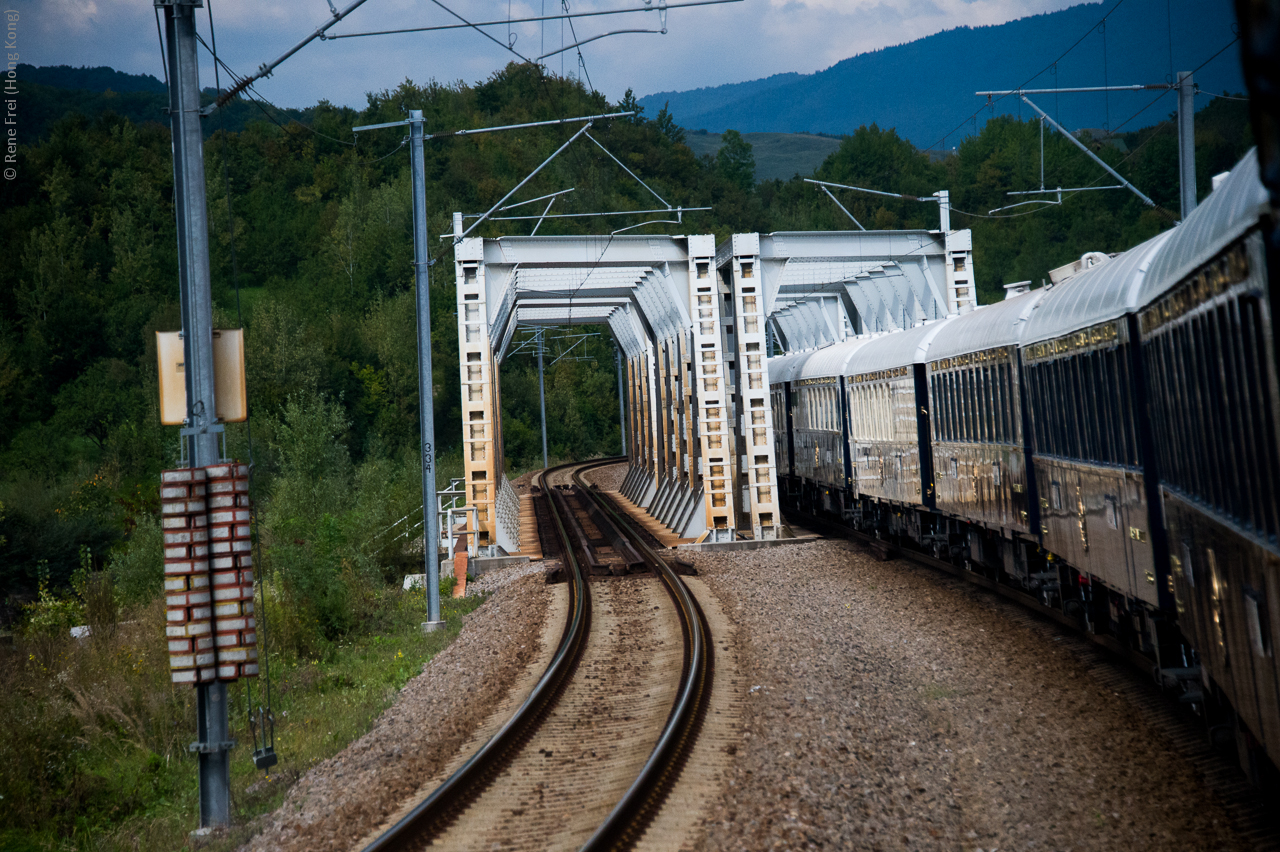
[
  {"x": 830, "y": 361},
  {"x": 1230, "y": 210},
  {"x": 1100, "y": 293},
  {"x": 783, "y": 368},
  {"x": 897, "y": 349},
  {"x": 986, "y": 327}
]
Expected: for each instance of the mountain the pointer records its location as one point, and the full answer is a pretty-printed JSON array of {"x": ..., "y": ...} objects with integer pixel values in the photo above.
[{"x": 925, "y": 88}]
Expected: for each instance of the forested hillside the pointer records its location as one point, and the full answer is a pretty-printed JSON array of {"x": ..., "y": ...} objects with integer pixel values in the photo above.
[{"x": 322, "y": 254}]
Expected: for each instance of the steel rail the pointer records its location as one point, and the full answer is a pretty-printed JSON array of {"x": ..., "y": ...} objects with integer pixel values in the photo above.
[
  {"x": 434, "y": 814},
  {"x": 629, "y": 818}
]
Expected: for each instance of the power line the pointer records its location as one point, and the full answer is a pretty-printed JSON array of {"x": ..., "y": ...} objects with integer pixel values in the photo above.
[
  {"x": 1052, "y": 64},
  {"x": 1159, "y": 127},
  {"x": 483, "y": 33}
]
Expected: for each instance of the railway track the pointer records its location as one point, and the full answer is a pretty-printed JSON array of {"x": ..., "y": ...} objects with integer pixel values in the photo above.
[
  {"x": 1115, "y": 667},
  {"x": 588, "y": 759}
]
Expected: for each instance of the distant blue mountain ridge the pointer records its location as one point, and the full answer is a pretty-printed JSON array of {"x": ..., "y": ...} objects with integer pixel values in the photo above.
[{"x": 925, "y": 88}]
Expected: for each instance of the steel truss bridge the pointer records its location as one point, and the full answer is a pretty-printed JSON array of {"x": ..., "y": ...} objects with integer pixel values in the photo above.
[{"x": 696, "y": 323}]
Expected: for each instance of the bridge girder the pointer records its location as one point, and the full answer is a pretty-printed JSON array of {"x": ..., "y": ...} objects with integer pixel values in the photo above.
[{"x": 692, "y": 321}]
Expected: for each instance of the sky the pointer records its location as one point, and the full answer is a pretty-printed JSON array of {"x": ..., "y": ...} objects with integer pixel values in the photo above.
[{"x": 704, "y": 45}]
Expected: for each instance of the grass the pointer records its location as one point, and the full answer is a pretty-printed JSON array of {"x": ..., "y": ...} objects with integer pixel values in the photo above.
[
  {"x": 94, "y": 755},
  {"x": 778, "y": 155}
]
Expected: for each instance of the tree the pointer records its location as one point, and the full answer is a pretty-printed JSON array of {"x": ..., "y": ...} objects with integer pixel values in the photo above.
[
  {"x": 668, "y": 127},
  {"x": 630, "y": 104},
  {"x": 735, "y": 161}
]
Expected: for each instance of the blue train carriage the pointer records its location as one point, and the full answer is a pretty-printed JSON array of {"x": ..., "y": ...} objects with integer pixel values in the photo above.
[
  {"x": 782, "y": 370},
  {"x": 821, "y": 428},
  {"x": 980, "y": 459},
  {"x": 891, "y": 462},
  {"x": 1208, "y": 344},
  {"x": 1083, "y": 391}
]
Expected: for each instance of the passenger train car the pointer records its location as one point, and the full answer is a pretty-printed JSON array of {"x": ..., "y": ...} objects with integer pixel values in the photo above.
[{"x": 1108, "y": 444}]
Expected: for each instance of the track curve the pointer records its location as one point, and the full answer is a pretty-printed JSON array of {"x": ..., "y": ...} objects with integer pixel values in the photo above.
[{"x": 488, "y": 773}]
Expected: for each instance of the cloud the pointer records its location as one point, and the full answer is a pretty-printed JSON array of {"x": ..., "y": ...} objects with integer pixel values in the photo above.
[{"x": 704, "y": 46}]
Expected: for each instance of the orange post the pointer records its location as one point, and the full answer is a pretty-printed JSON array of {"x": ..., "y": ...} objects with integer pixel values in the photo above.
[{"x": 460, "y": 566}]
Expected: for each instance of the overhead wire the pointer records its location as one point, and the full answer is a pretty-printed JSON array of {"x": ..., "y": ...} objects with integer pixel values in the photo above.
[
  {"x": 164, "y": 60},
  {"x": 256, "y": 98},
  {"x": 507, "y": 47},
  {"x": 1052, "y": 64},
  {"x": 1158, "y": 128}
]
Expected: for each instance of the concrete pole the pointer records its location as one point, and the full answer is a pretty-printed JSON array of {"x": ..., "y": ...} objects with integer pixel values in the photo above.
[
  {"x": 542, "y": 396},
  {"x": 426, "y": 396},
  {"x": 1187, "y": 142},
  {"x": 622, "y": 405},
  {"x": 201, "y": 432}
]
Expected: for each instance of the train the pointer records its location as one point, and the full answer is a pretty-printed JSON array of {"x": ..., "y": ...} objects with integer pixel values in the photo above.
[{"x": 1106, "y": 444}]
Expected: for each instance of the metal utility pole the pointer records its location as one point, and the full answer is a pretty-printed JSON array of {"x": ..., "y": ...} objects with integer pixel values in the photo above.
[
  {"x": 1187, "y": 142},
  {"x": 426, "y": 393},
  {"x": 201, "y": 432},
  {"x": 542, "y": 396},
  {"x": 622, "y": 406}
]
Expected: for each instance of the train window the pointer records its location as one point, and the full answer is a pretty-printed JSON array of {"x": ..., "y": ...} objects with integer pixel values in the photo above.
[
  {"x": 983, "y": 404},
  {"x": 949, "y": 402},
  {"x": 1093, "y": 406},
  {"x": 936, "y": 409},
  {"x": 1076, "y": 410},
  {"x": 991, "y": 397},
  {"x": 948, "y": 408},
  {"x": 995, "y": 400},
  {"x": 1009, "y": 406},
  {"x": 1048, "y": 385},
  {"x": 957, "y": 406},
  {"x": 975, "y": 405},
  {"x": 1261, "y": 408},
  {"x": 1255, "y": 610},
  {"x": 1209, "y": 388},
  {"x": 1193, "y": 352},
  {"x": 1001, "y": 402},
  {"x": 1228, "y": 433},
  {"x": 1117, "y": 405}
]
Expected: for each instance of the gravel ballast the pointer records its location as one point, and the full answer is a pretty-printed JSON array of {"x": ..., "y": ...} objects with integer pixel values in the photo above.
[
  {"x": 887, "y": 709},
  {"x": 340, "y": 800}
]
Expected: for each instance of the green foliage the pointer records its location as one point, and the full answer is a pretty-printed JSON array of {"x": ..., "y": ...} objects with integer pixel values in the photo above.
[
  {"x": 133, "y": 567},
  {"x": 735, "y": 162},
  {"x": 323, "y": 252},
  {"x": 630, "y": 104},
  {"x": 667, "y": 126}
]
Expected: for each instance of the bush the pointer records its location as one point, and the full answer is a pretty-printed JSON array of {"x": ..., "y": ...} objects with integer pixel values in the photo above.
[{"x": 136, "y": 569}]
